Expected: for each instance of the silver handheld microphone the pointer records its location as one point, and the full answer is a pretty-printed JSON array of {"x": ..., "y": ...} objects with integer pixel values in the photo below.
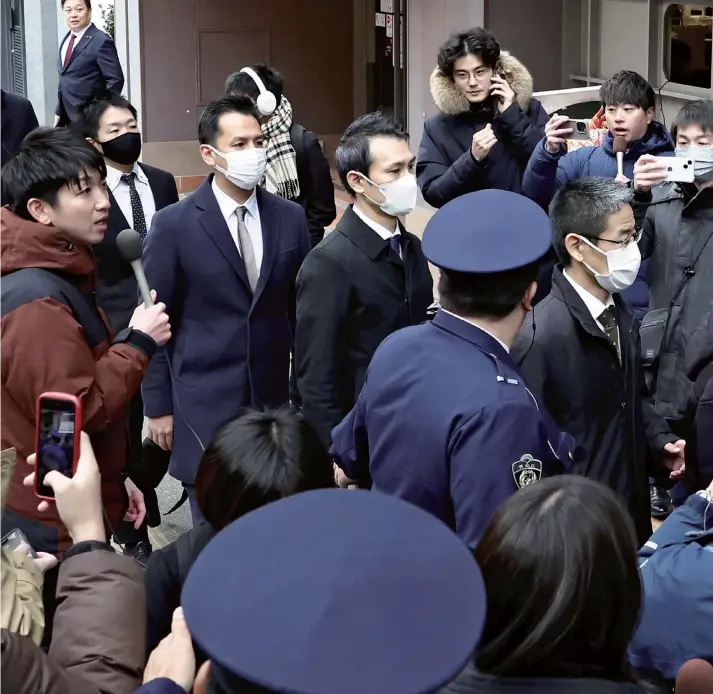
[{"x": 129, "y": 244}]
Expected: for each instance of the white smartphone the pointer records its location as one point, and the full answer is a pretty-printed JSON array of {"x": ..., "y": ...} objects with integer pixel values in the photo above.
[
  {"x": 679, "y": 169},
  {"x": 580, "y": 129}
]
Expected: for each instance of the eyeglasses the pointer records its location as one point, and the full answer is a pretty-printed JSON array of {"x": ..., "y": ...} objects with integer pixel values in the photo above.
[
  {"x": 480, "y": 74},
  {"x": 635, "y": 238}
]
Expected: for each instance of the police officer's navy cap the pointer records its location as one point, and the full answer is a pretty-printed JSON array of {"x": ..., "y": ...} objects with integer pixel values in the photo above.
[
  {"x": 337, "y": 592},
  {"x": 487, "y": 231}
]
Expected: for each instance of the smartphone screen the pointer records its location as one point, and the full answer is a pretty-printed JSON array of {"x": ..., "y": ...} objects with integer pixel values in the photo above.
[{"x": 55, "y": 441}]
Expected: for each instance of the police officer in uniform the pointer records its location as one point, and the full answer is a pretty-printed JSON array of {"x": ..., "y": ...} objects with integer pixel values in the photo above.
[
  {"x": 332, "y": 594},
  {"x": 444, "y": 419}
]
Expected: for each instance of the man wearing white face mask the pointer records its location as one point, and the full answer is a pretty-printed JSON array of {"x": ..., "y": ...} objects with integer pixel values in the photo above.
[
  {"x": 677, "y": 226},
  {"x": 580, "y": 350},
  {"x": 225, "y": 259},
  {"x": 365, "y": 280}
]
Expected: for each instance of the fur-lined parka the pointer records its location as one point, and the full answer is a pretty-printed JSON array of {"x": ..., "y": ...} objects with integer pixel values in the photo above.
[{"x": 446, "y": 169}]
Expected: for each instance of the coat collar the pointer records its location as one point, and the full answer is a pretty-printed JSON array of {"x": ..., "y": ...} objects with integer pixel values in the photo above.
[
  {"x": 365, "y": 237},
  {"x": 213, "y": 223},
  {"x": 452, "y": 103},
  {"x": 79, "y": 46},
  {"x": 563, "y": 290}
]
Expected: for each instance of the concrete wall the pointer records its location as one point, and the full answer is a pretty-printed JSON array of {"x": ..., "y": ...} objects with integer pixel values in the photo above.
[{"x": 189, "y": 47}]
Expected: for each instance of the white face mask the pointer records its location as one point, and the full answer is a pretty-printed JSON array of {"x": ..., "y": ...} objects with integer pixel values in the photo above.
[
  {"x": 246, "y": 167},
  {"x": 623, "y": 263},
  {"x": 703, "y": 161},
  {"x": 400, "y": 195}
]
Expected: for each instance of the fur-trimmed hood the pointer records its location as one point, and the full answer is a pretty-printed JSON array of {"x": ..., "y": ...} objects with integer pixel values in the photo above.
[{"x": 451, "y": 102}]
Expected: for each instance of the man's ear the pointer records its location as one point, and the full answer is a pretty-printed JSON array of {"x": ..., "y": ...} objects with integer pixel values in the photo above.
[
  {"x": 573, "y": 244},
  {"x": 530, "y": 297},
  {"x": 356, "y": 182},
  {"x": 38, "y": 211},
  {"x": 208, "y": 156},
  {"x": 200, "y": 686},
  {"x": 650, "y": 113},
  {"x": 95, "y": 144}
]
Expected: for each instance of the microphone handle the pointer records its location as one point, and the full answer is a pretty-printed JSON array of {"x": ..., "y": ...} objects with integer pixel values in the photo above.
[
  {"x": 138, "y": 269},
  {"x": 620, "y": 163}
]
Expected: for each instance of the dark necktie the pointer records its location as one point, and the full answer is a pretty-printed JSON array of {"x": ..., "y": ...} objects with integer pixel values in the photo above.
[
  {"x": 68, "y": 54},
  {"x": 137, "y": 209},
  {"x": 608, "y": 319},
  {"x": 395, "y": 244}
]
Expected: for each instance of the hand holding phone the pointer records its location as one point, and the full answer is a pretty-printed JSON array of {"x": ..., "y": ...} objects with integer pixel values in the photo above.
[
  {"x": 579, "y": 128},
  {"x": 59, "y": 417},
  {"x": 679, "y": 169},
  {"x": 78, "y": 499}
]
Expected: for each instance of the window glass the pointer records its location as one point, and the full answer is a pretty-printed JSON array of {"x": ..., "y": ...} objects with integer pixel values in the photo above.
[{"x": 687, "y": 33}]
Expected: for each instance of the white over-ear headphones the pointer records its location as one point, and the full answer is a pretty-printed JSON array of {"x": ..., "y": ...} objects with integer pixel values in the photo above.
[{"x": 266, "y": 102}]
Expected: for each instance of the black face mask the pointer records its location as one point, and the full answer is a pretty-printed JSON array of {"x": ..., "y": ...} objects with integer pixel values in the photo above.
[{"x": 124, "y": 150}]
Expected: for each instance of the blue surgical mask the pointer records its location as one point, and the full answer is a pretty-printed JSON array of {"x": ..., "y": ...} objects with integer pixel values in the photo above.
[{"x": 703, "y": 161}]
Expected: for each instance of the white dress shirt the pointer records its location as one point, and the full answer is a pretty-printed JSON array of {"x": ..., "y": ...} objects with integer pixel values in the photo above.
[
  {"x": 594, "y": 306},
  {"x": 497, "y": 339},
  {"x": 382, "y": 231},
  {"x": 228, "y": 208},
  {"x": 122, "y": 194},
  {"x": 77, "y": 38}
]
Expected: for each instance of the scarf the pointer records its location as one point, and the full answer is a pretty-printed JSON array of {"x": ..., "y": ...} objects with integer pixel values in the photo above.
[{"x": 281, "y": 173}]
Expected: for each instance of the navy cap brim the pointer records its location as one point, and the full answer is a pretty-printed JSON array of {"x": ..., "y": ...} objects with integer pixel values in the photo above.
[
  {"x": 337, "y": 591},
  {"x": 486, "y": 232}
]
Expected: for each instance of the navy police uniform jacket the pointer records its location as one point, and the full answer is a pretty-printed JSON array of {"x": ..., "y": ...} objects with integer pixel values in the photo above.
[
  {"x": 677, "y": 575},
  {"x": 445, "y": 421}
]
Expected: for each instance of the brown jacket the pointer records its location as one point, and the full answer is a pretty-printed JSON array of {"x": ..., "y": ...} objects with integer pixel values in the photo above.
[
  {"x": 99, "y": 633},
  {"x": 55, "y": 338},
  {"x": 21, "y": 608}
]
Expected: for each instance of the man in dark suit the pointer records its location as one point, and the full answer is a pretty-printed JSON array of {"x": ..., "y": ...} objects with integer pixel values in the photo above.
[
  {"x": 224, "y": 261},
  {"x": 365, "y": 280},
  {"x": 87, "y": 62},
  {"x": 18, "y": 119},
  {"x": 136, "y": 192}
]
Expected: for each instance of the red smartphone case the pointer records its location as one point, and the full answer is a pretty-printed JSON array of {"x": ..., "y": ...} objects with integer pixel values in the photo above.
[{"x": 66, "y": 397}]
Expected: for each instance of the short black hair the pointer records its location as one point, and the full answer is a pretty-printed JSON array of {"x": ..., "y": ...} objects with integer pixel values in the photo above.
[
  {"x": 87, "y": 125},
  {"x": 209, "y": 124},
  {"x": 475, "y": 41},
  {"x": 627, "y": 87},
  {"x": 583, "y": 207},
  {"x": 49, "y": 159},
  {"x": 243, "y": 83},
  {"x": 87, "y": 3},
  {"x": 257, "y": 458},
  {"x": 698, "y": 113},
  {"x": 490, "y": 295},
  {"x": 562, "y": 581},
  {"x": 354, "y": 150}
]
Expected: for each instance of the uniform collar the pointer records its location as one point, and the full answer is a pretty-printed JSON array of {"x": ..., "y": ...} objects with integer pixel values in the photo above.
[
  {"x": 113, "y": 176},
  {"x": 472, "y": 333},
  {"x": 497, "y": 339},
  {"x": 228, "y": 206}
]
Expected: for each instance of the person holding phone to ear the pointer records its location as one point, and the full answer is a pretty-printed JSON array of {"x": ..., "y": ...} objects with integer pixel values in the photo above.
[{"x": 488, "y": 123}]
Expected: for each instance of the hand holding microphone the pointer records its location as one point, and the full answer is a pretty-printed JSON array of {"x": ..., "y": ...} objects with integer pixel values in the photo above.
[{"x": 149, "y": 318}]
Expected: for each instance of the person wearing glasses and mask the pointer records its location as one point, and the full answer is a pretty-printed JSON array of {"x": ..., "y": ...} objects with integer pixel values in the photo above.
[
  {"x": 365, "y": 280},
  {"x": 225, "y": 260},
  {"x": 580, "y": 349}
]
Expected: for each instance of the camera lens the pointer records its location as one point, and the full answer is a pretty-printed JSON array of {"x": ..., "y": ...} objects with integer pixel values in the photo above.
[{"x": 581, "y": 128}]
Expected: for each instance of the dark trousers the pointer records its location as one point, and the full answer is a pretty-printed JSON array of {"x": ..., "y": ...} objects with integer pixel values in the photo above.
[
  {"x": 196, "y": 514},
  {"x": 126, "y": 534}
]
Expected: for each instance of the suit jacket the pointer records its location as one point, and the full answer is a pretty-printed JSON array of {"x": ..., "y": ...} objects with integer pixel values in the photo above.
[
  {"x": 352, "y": 292},
  {"x": 118, "y": 291},
  {"x": 230, "y": 349},
  {"x": 18, "y": 119},
  {"x": 94, "y": 66}
]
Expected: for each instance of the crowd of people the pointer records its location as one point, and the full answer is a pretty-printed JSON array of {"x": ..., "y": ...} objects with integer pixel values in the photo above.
[{"x": 395, "y": 487}]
